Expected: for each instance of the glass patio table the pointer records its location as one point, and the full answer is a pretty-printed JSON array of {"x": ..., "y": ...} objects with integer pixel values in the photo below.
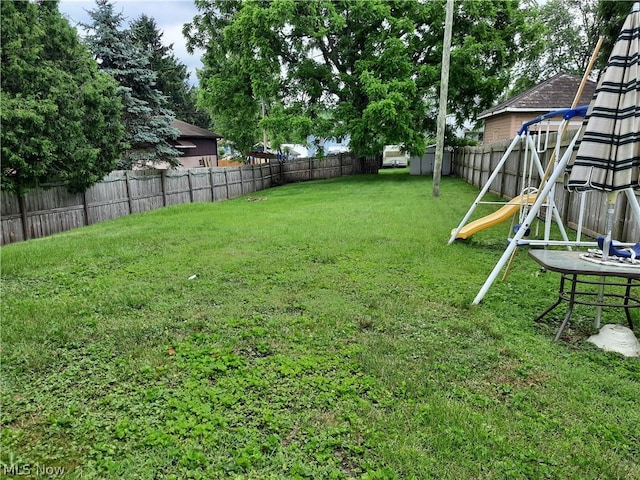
[{"x": 577, "y": 274}]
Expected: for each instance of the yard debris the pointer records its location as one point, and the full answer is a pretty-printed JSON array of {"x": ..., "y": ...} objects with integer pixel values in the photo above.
[
  {"x": 192, "y": 277},
  {"x": 256, "y": 199}
]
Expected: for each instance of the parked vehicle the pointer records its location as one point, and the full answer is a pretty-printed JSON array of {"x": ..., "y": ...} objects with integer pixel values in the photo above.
[{"x": 393, "y": 156}]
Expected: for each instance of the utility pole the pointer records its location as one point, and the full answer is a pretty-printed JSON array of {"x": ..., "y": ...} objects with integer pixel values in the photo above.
[
  {"x": 264, "y": 130},
  {"x": 444, "y": 89}
]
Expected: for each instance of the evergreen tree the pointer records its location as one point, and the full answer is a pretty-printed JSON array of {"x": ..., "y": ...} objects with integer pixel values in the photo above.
[
  {"x": 172, "y": 75},
  {"x": 146, "y": 113},
  {"x": 60, "y": 115}
]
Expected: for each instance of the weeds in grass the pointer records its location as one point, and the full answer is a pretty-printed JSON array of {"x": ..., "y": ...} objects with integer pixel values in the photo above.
[{"x": 327, "y": 333}]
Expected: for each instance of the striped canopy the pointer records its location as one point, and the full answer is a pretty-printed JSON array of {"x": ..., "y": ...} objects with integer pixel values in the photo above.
[{"x": 608, "y": 154}]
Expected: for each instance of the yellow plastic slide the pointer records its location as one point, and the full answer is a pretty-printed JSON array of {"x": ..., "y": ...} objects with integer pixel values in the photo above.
[{"x": 504, "y": 213}]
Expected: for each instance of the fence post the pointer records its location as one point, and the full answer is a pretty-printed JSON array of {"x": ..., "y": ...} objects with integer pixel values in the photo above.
[
  {"x": 126, "y": 176},
  {"x": 23, "y": 214},
  {"x": 211, "y": 179},
  {"x": 163, "y": 182},
  {"x": 85, "y": 207},
  {"x": 226, "y": 183},
  {"x": 190, "y": 185}
]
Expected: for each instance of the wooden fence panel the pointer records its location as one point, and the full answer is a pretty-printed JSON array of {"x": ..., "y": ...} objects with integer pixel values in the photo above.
[
  {"x": 108, "y": 199},
  {"x": 220, "y": 183},
  {"x": 246, "y": 176},
  {"x": 297, "y": 171},
  {"x": 234, "y": 182},
  {"x": 11, "y": 216},
  {"x": 346, "y": 164},
  {"x": 177, "y": 187},
  {"x": 53, "y": 209},
  {"x": 201, "y": 184},
  {"x": 327, "y": 167},
  {"x": 145, "y": 190}
]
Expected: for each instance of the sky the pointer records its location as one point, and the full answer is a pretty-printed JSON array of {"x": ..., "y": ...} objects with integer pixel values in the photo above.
[{"x": 169, "y": 15}]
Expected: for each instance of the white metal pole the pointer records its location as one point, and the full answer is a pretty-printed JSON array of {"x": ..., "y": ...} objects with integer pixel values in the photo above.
[
  {"x": 551, "y": 208},
  {"x": 580, "y": 216},
  {"x": 485, "y": 188},
  {"x": 527, "y": 222}
]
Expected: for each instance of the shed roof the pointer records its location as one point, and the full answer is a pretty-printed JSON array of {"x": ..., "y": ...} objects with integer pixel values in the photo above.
[
  {"x": 555, "y": 93},
  {"x": 188, "y": 130}
]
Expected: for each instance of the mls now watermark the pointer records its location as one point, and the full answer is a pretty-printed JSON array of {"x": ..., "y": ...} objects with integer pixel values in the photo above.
[{"x": 31, "y": 470}]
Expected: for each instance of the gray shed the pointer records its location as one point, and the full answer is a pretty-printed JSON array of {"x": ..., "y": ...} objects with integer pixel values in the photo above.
[{"x": 424, "y": 165}]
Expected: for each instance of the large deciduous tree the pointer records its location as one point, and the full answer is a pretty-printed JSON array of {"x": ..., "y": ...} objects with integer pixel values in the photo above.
[
  {"x": 145, "y": 111},
  {"x": 610, "y": 17},
  {"x": 60, "y": 115},
  {"x": 367, "y": 69},
  {"x": 568, "y": 34}
]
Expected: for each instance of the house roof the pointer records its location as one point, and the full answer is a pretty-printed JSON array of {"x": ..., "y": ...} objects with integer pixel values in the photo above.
[
  {"x": 188, "y": 130},
  {"x": 555, "y": 93}
]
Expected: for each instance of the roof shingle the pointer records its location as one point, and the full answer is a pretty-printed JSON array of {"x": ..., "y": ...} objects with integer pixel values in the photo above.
[
  {"x": 188, "y": 130},
  {"x": 553, "y": 94}
]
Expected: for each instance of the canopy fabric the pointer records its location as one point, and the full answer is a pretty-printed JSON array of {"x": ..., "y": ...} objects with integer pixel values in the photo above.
[{"x": 608, "y": 154}]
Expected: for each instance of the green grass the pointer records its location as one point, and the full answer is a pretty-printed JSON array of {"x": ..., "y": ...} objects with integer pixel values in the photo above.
[{"x": 328, "y": 334}]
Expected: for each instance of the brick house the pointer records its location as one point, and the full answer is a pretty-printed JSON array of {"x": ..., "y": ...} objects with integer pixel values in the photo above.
[{"x": 504, "y": 120}]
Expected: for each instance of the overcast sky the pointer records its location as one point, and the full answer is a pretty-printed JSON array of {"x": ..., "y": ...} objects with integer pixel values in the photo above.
[{"x": 169, "y": 15}]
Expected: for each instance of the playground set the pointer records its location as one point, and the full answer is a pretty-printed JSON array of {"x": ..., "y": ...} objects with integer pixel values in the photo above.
[
  {"x": 528, "y": 205},
  {"x": 532, "y": 199}
]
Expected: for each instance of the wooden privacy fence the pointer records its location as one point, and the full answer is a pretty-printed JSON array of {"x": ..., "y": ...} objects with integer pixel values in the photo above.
[
  {"x": 46, "y": 211},
  {"x": 475, "y": 165}
]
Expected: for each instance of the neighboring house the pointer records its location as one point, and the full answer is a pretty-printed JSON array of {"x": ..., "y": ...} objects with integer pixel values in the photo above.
[
  {"x": 293, "y": 151},
  {"x": 330, "y": 146},
  {"x": 504, "y": 120},
  {"x": 199, "y": 146}
]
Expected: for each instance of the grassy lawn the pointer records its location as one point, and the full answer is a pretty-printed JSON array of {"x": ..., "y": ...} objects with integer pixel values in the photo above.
[{"x": 327, "y": 334}]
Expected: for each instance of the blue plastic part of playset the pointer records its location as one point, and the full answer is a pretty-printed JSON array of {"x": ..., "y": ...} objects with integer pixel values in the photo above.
[
  {"x": 566, "y": 113},
  {"x": 526, "y": 233}
]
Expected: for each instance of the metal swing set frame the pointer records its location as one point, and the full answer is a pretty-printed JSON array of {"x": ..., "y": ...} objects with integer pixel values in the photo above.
[{"x": 544, "y": 196}]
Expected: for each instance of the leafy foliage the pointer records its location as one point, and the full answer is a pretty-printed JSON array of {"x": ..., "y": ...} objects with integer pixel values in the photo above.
[
  {"x": 366, "y": 69},
  {"x": 568, "y": 33},
  {"x": 61, "y": 117},
  {"x": 610, "y": 17},
  {"x": 146, "y": 113}
]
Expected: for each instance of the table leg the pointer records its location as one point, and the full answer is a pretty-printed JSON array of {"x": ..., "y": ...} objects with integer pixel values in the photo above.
[
  {"x": 570, "y": 310},
  {"x": 627, "y": 296}
]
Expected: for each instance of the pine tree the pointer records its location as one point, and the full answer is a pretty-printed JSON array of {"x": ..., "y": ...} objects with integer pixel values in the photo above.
[
  {"x": 61, "y": 117},
  {"x": 146, "y": 114},
  {"x": 172, "y": 75}
]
